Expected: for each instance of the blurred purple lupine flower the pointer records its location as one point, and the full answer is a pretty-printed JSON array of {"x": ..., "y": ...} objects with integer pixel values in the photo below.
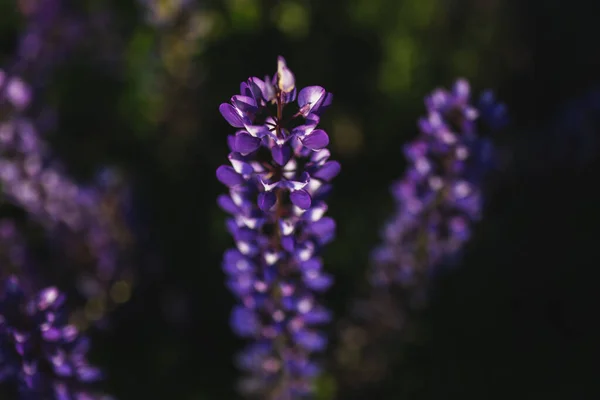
[
  {"x": 31, "y": 178},
  {"x": 278, "y": 181},
  {"x": 53, "y": 30},
  {"x": 41, "y": 355},
  {"x": 438, "y": 200},
  {"x": 49, "y": 35}
]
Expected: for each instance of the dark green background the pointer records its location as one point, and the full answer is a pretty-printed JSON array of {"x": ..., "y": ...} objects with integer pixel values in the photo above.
[{"x": 517, "y": 319}]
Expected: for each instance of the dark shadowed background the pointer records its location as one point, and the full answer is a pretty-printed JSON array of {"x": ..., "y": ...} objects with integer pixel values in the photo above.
[{"x": 516, "y": 319}]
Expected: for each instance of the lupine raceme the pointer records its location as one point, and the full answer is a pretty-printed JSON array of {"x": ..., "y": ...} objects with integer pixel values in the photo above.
[
  {"x": 439, "y": 197},
  {"x": 438, "y": 201},
  {"x": 278, "y": 181},
  {"x": 42, "y": 355},
  {"x": 73, "y": 214}
]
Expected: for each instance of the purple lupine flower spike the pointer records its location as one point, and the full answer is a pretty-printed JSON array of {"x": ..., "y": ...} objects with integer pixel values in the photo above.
[
  {"x": 31, "y": 178},
  {"x": 41, "y": 355},
  {"x": 278, "y": 180},
  {"x": 439, "y": 198}
]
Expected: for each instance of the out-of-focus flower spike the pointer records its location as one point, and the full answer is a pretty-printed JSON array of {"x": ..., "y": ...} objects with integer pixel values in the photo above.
[
  {"x": 438, "y": 201},
  {"x": 40, "y": 353}
]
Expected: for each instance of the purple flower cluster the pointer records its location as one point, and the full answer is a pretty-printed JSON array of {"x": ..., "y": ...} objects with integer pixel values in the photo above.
[
  {"x": 439, "y": 198},
  {"x": 48, "y": 36},
  {"x": 32, "y": 179},
  {"x": 278, "y": 180},
  {"x": 41, "y": 356},
  {"x": 53, "y": 30}
]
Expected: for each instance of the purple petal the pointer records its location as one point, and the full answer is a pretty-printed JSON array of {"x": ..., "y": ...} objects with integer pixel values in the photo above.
[
  {"x": 244, "y": 103},
  {"x": 70, "y": 333},
  {"x": 310, "y": 98},
  {"x": 461, "y": 90},
  {"x": 289, "y": 97},
  {"x": 310, "y": 95},
  {"x": 323, "y": 227},
  {"x": 231, "y": 115},
  {"x": 245, "y": 89},
  {"x": 403, "y": 190},
  {"x": 281, "y": 154},
  {"x": 317, "y": 316},
  {"x": 48, "y": 298},
  {"x": 240, "y": 165},
  {"x": 257, "y": 87},
  {"x": 266, "y": 200},
  {"x": 245, "y": 235},
  {"x": 235, "y": 263},
  {"x": 246, "y": 143},
  {"x": 326, "y": 103},
  {"x": 312, "y": 265},
  {"x": 328, "y": 171},
  {"x": 257, "y": 130},
  {"x": 244, "y": 322},
  {"x": 231, "y": 142},
  {"x": 89, "y": 374},
  {"x": 309, "y": 370},
  {"x": 241, "y": 285},
  {"x": 52, "y": 334},
  {"x": 424, "y": 126},
  {"x": 317, "y": 282},
  {"x": 61, "y": 392},
  {"x": 301, "y": 198},
  {"x": 63, "y": 370},
  {"x": 311, "y": 341},
  {"x": 437, "y": 100},
  {"x": 227, "y": 176},
  {"x": 268, "y": 91},
  {"x": 288, "y": 243},
  {"x": 320, "y": 157},
  {"x": 226, "y": 203},
  {"x": 232, "y": 226},
  {"x": 317, "y": 140},
  {"x": 18, "y": 93},
  {"x": 303, "y": 130},
  {"x": 415, "y": 150},
  {"x": 322, "y": 192},
  {"x": 312, "y": 120}
]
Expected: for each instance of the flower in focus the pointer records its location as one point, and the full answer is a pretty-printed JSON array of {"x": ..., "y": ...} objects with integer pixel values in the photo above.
[{"x": 278, "y": 181}]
